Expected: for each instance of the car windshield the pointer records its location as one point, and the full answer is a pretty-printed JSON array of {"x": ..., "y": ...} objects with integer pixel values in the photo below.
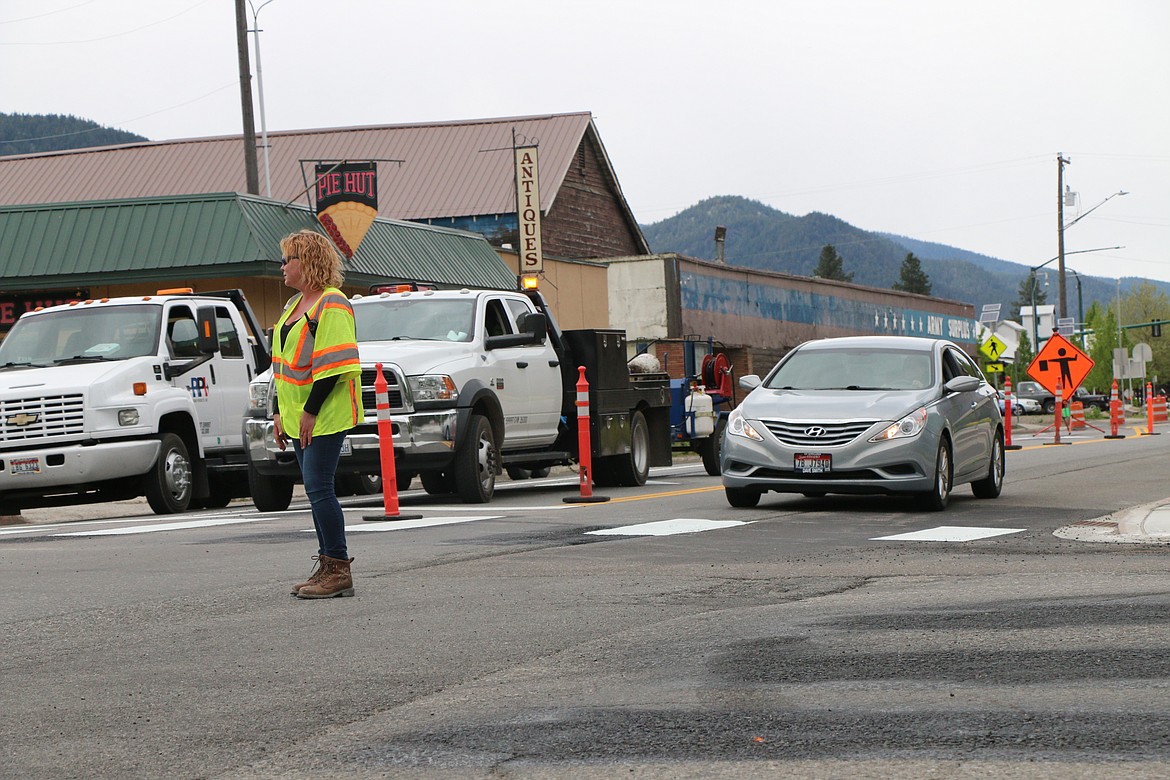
[
  {"x": 79, "y": 335},
  {"x": 414, "y": 318},
  {"x": 853, "y": 369}
]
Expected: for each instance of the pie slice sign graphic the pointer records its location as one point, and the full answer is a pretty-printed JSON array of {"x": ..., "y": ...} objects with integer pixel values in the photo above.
[{"x": 1060, "y": 361}]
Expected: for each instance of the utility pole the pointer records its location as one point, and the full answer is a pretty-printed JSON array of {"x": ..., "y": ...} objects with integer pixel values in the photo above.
[
  {"x": 250, "y": 169},
  {"x": 1060, "y": 163}
]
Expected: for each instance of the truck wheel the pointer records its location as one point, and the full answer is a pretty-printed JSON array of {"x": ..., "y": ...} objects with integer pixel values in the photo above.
[
  {"x": 632, "y": 469},
  {"x": 519, "y": 472},
  {"x": 1049, "y": 406},
  {"x": 712, "y": 449},
  {"x": 168, "y": 485},
  {"x": 476, "y": 462},
  {"x": 437, "y": 483},
  {"x": 270, "y": 494}
]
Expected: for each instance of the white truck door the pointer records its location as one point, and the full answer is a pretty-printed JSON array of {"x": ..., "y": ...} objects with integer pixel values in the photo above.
[
  {"x": 231, "y": 373},
  {"x": 542, "y": 374},
  {"x": 182, "y": 343},
  {"x": 504, "y": 369}
]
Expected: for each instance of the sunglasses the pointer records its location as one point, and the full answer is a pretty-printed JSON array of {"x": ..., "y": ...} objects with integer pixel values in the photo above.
[{"x": 286, "y": 260}]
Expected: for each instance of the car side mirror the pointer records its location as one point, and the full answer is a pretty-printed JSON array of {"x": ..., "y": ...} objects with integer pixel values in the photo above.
[
  {"x": 963, "y": 384},
  {"x": 749, "y": 381}
]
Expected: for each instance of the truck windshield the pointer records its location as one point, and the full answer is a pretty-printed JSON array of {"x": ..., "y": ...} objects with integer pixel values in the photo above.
[
  {"x": 860, "y": 369},
  {"x": 428, "y": 319},
  {"x": 82, "y": 334}
]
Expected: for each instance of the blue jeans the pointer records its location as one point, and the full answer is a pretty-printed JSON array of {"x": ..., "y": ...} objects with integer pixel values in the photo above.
[{"x": 318, "y": 464}]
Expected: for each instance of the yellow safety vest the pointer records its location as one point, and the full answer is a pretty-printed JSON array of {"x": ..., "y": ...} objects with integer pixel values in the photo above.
[{"x": 321, "y": 344}]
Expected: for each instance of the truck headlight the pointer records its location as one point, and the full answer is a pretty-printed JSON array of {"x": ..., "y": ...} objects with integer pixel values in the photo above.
[
  {"x": 433, "y": 387},
  {"x": 127, "y": 417},
  {"x": 258, "y": 399}
]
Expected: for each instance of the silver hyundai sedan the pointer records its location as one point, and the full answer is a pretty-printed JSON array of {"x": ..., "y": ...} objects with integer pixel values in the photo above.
[{"x": 866, "y": 414}]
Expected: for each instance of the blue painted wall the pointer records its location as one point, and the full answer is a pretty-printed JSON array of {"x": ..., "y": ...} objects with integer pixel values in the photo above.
[{"x": 883, "y": 314}]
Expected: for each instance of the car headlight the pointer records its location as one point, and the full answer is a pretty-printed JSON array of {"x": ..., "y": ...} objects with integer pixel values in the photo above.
[
  {"x": 737, "y": 425},
  {"x": 433, "y": 387},
  {"x": 910, "y": 425}
]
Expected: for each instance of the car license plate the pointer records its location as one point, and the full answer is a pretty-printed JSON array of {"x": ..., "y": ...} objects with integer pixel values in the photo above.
[
  {"x": 25, "y": 466},
  {"x": 813, "y": 463},
  {"x": 346, "y": 447}
]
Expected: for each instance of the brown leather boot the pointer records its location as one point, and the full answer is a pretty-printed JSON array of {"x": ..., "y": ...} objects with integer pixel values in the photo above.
[
  {"x": 333, "y": 579},
  {"x": 313, "y": 576}
]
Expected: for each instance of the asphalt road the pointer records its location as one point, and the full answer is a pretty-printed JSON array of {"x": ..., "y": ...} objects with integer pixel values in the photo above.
[{"x": 510, "y": 640}]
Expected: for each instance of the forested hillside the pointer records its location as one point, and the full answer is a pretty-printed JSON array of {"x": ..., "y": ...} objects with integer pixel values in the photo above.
[
  {"x": 31, "y": 133},
  {"x": 759, "y": 236}
]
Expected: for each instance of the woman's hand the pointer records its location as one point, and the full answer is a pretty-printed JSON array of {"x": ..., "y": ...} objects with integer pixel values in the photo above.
[
  {"x": 278, "y": 432},
  {"x": 307, "y": 423}
]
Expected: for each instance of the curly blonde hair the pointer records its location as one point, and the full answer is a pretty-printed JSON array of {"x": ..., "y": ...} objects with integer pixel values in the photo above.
[{"x": 320, "y": 261}]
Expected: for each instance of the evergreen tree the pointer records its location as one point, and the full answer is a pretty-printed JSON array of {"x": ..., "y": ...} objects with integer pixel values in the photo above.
[
  {"x": 1024, "y": 301},
  {"x": 831, "y": 265},
  {"x": 912, "y": 279},
  {"x": 1023, "y": 359}
]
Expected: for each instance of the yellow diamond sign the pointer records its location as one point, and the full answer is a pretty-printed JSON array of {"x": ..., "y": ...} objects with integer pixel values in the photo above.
[{"x": 993, "y": 348}]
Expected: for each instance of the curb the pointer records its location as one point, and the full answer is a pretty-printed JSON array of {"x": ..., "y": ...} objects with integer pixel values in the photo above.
[{"x": 1145, "y": 524}]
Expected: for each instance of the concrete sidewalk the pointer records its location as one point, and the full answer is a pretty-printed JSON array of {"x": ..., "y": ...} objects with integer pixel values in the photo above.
[{"x": 1145, "y": 524}]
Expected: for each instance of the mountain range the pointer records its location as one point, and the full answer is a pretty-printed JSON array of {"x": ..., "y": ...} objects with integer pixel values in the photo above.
[
  {"x": 764, "y": 238},
  {"x": 758, "y": 236}
]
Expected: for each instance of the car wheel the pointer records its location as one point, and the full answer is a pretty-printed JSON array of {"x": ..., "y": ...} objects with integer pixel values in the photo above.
[
  {"x": 742, "y": 498},
  {"x": 936, "y": 499},
  {"x": 168, "y": 483},
  {"x": 475, "y": 463},
  {"x": 991, "y": 485}
]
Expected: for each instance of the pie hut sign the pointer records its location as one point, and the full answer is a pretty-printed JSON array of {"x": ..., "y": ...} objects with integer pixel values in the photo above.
[
  {"x": 12, "y": 306},
  {"x": 347, "y": 201}
]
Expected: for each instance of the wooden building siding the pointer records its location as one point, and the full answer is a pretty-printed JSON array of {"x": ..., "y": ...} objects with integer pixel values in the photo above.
[{"x": 587, "y": 219}]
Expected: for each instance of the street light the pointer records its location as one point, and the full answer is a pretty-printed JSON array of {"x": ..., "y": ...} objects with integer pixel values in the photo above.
[
  {"x": 260, "y": 86},
  {"x": 1060, "y": 223},
  {"x": 1032, "y": 272}
]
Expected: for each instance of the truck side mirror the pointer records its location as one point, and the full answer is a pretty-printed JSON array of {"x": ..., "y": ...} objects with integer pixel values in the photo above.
[
  {"x": 208, "y": 339},
  {"x": 535, "y": 323}
]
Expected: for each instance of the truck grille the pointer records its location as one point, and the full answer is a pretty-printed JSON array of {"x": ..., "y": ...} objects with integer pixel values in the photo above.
[
  {"x": 810, "y": 433},
  {"x": 393, "y": 392},
  {"x": 38, "y": 418}
]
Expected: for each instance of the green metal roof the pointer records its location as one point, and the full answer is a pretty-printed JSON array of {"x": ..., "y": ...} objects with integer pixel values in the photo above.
[{"x": 213, "y": 235}]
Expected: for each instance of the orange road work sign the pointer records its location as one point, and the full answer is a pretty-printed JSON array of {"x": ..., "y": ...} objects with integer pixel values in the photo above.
[{"x": 1060, "y": 361}]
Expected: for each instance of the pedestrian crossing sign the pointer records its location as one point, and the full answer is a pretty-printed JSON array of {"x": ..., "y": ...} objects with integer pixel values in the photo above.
[{"x": 993, "y": 348}]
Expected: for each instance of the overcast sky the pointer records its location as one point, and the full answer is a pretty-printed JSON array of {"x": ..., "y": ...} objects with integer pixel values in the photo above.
[{"x": 936, "y": 119}]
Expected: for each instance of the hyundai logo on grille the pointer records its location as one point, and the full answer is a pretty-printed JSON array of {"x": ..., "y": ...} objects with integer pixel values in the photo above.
[
  {"x": 22, "y": 419},
  {"x": 814, "y": 431}
]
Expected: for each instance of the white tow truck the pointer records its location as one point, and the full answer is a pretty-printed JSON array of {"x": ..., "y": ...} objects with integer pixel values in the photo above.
[
  {"x": 480, "y": 381},
  {"x": 115, "y": 398}
]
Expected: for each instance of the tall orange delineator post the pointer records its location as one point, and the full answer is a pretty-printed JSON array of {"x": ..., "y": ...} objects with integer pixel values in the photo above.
[
  {"x": 1149, "y": 431},
  {"x": 1059, "y": 412},
  {"x": 584, "y": 445},
  {"x": 386, "y": 451},
  {"x": 1007, "y": 415},
  {"x": 1116, "y": 415}
]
